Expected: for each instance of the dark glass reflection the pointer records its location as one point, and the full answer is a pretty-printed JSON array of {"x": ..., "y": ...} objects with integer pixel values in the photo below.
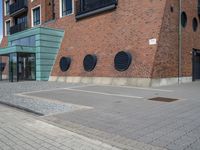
[{"x": 22, "y": 66}]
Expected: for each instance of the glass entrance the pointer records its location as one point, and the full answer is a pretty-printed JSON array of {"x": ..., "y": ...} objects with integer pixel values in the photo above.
[
  {"x": 22, "y": 67},
  {"x": 13, "y": 67}
]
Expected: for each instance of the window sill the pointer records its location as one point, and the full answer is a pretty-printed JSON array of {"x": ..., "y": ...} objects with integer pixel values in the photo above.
[
  {"x": 67, "y": 15},
  {"x": 94, "y": 12}
]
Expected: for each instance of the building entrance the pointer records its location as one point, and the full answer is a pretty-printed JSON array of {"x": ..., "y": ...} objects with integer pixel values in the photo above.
[
  {"x": 196, "y": 65},
  {"x": 22, "y": 67}
]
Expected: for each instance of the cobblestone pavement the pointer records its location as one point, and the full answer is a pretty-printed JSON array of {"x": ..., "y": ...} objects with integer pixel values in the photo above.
[
  {"x": 9, "y": 95},
  {"x": 21, "y": 131}
]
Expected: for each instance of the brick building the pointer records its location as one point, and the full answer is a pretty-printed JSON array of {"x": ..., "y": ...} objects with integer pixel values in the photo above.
[{"x": 123, "y": 42}]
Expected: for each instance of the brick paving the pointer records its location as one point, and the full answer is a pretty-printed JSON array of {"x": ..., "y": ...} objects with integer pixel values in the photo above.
[
  {"x": 21, "y": 131},
  {"x": 9, "y": 95},
  {"x": 115, "y": 116}
]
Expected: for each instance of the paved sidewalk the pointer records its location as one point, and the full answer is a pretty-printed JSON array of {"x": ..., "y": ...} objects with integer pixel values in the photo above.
[
  {"x": 120, "y": 116},
  {"x": 21, "y": 131}
]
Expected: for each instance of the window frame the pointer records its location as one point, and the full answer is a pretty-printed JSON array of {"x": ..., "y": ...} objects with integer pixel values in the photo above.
[
  {"x": 5, "y": 8},
  {"x": 9, "y": 20},
  {"x": 61, "y": 9},
  {"x": 32, "y": 18}
]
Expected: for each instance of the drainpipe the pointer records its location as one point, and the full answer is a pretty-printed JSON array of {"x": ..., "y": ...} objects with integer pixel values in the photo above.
[
  {"x": 53, "y": 9},
  {"x": 180, "y": 45}
]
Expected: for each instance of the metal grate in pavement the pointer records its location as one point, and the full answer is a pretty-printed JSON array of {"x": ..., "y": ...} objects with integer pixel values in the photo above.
[{"x": 163, "y": 99}]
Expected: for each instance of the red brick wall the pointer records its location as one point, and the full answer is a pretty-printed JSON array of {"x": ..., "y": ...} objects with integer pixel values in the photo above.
[
  {"x": 129, "y": 28},
  {"x": 166, "y": 60},
  {"x": 166, "y": 57},
  {"x": 191, "y": 39},
  {"x": 46, "y": 10},
  {"x": 3, "y": 44}
]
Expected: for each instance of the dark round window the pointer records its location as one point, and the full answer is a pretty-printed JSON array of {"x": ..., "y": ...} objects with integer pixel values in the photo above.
[
  {"x": 65, "y": 63},
  {"x": 122, "y": 61},
  {"x": 183, "y": 19},
  {"x": 194, "y": 24},
  {"x": 89, "y": 62}
]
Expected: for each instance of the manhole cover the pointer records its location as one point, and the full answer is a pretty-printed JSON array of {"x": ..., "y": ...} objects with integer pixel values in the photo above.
[{"x": 163, "y": 99}]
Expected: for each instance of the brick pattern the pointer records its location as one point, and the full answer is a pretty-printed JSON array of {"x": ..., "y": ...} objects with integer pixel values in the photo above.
[
  {"x": 4, "y": 43},
  {"x": 111, "y": 32},
  {"x": 166, "y": 59},
  {"x": 127, "y": 28},
  {"x": 22, "y": 131}
]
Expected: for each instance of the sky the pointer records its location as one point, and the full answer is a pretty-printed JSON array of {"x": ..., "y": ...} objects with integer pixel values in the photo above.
[{"x": 1, "y": 28}]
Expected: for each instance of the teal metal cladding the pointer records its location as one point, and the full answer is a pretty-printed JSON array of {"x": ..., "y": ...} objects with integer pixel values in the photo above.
[{"x": 47, "y": 45}]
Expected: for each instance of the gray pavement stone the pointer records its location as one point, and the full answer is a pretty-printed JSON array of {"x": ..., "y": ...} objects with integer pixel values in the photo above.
[
  {"x": 113, "y": 119},
  {"x": 31, "y": 128}
]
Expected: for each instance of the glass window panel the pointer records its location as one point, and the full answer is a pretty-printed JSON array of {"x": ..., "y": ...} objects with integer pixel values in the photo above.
[
  {"x": 8, "y": 27},
  {"x": 36, "y": 16},
  {"x": 13, "y": 43},
  {"x": 66, "y": 7},
  {"x": 24, "y": 41},
  {"x": 7, "y": 7},
  {"x": 28, "y": 41}
]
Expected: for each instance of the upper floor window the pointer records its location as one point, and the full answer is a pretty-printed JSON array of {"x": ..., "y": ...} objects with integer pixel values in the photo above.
[
  {"x": 7, "y": 27},
  {"x": 21, "y": 19},
  {"x": 85, "y": 8},
  {"x": 66, "y": 7},
  {"x": 7, "y": 7},
  {"x": 36, "y": 18}
]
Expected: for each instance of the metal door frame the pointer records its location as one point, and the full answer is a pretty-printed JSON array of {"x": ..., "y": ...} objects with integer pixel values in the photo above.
[{"x": 195, "y": 52}]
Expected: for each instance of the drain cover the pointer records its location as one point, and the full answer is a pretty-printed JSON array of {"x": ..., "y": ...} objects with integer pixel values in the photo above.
[{"x": 163, "y": 99}]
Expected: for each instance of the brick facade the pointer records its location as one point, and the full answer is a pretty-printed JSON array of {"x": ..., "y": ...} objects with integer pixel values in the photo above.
[
  {"x": 128, "y": 28},
  {"x": 108, "y": 33}
]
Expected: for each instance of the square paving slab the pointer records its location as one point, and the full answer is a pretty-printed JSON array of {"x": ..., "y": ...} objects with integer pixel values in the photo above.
[{"x": 119, "y": 115}]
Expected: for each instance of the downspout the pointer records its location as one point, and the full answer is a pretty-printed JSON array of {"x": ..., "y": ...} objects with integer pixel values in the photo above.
[
  {"x": 180, "y": 45},
  {"x": 53, "y": 9}
]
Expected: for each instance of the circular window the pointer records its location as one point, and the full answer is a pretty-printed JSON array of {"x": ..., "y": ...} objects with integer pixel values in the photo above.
[
  {"x": 89, "y": 62},
  {"x": 65, "y": 63},
  {"x": 194, "y": 24},
  {"x": 183, "y": 19},
  {"x": 122, "y": 61}
]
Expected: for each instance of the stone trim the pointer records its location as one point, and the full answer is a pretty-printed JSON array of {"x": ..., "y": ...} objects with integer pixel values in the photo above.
[{"x": 141, "y": 82}]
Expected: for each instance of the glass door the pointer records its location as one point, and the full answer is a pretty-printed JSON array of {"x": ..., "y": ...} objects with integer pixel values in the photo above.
[
  {"x": 22, "y": 67},
  {"x": 26, "y": 66},
  {"x": 13, "y": 67}
]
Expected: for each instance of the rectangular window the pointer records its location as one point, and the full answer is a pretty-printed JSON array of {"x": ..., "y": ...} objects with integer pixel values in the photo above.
[
  {"x": 21, "y": 19},
  {"x": 15, "y": 42},
  {"x": 36, "y": 16},
  {"x": 67, "y": 7},
  {"x": 27, "y": 41},
  {"x": 7, "y": 7},
  {"x": 8, "y": 27}
]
